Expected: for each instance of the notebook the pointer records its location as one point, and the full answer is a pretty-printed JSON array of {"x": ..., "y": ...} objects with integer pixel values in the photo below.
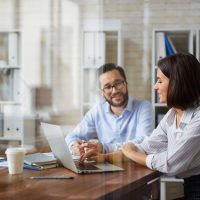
[
  {"x": 61, "y": 152},
  {"x": 40, "y": 167},
  {"x": 39, "y": 159}
]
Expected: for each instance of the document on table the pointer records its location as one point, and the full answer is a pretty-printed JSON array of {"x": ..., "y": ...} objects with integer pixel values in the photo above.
[{"x": 3, "y": 164}]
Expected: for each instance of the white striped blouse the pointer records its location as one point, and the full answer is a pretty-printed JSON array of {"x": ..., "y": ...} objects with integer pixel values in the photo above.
[{"x": 175, "y": 151}]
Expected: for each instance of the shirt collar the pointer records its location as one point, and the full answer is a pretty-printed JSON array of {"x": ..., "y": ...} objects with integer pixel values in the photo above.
[
  {"x": 187, "y": 115},
  {"x": 129, "y": 106},
  {"x": 186, "y": 118}
]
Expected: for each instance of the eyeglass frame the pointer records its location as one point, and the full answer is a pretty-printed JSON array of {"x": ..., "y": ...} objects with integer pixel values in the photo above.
[{"x": 121, "y": 84}]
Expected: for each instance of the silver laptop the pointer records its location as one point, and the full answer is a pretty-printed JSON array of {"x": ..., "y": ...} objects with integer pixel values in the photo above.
[{"x": 61, "y": 152}]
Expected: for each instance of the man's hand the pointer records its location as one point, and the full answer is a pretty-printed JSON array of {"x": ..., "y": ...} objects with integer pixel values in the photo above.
[
  {"x": 76, "y": 147},
  {"x": 93, "y": 155},
  {"x": 91, "y": 144},
  {"x": 113, "y": 157},
  {"x": 81, "y": 146}
]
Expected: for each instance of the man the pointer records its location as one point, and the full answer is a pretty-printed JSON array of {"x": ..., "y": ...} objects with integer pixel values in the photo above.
[{"x": 115, "y": 120}]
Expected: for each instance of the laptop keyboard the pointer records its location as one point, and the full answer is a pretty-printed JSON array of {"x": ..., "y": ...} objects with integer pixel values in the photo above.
[{"x": 86, "y": 166}]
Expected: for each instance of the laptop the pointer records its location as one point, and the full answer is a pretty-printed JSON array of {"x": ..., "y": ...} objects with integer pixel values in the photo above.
[{"x": 59, "y": 148}]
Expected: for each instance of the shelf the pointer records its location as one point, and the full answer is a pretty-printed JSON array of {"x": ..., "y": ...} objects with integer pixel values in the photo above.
[
  {"x": 181, "y": 40},
  {"x": 167, "y": 42},
  {"x": 100, "y": 45},
  {"x": 10, "y": 67},
  {"x": 11, "y": 117},
  {"x": 10, "y": 138},
  {"x": 9, "y": 103}
]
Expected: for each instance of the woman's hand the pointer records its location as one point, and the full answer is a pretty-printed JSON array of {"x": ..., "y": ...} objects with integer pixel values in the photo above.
[{"x": 128, "y": 149}]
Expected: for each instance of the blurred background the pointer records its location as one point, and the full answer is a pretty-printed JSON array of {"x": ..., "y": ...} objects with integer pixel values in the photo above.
[
  {"x": 50, "y": 51},
  {"x": 56, "y": 46}
]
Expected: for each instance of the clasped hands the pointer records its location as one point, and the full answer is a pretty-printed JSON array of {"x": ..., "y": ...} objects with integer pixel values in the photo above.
[{"x": 88, "y": 150}]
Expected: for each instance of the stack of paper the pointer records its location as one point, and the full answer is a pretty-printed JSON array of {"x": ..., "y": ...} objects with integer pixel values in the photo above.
[{"x": 39, "y": 161}]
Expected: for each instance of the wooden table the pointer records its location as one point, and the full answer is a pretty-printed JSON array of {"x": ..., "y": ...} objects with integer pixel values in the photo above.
[{"x": 133, "y": 183}]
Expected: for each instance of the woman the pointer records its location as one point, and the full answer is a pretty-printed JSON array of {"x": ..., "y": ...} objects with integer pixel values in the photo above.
[{"x": 173, "y": 147}]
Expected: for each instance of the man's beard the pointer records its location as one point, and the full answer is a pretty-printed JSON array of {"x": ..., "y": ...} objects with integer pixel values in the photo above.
[{"x": 120, "y": 104}]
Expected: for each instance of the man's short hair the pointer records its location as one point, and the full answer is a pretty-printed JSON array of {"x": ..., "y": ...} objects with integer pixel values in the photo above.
[{"x": 109, "y": 67}]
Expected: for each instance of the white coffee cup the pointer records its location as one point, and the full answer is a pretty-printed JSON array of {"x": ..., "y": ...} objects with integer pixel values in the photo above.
[{"x": 15, "y": 159}]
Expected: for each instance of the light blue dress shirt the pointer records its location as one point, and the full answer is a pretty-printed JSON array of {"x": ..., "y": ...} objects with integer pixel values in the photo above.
[{"x": 134, "y": 123}]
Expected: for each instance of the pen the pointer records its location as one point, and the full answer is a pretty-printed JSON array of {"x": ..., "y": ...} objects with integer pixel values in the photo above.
[{"x": 51, "y": 177}]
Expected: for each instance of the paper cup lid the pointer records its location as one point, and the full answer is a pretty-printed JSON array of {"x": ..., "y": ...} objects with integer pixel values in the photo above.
[{"x": 15, "y": 150}]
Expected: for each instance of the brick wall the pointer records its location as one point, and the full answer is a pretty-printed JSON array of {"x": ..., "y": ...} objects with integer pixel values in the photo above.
[{"x": 139, "y": 18}]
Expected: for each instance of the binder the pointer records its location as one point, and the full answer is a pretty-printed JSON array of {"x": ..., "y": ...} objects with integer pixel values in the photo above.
[
  {"x": 16, "y": 95},
  {"x": 13, "y": 49},
  {"x": 1, "y": 123},
  {"x": 160, "y": 46},
  {"x": 171, "y": 44},
  {"x": 13, "y": 121},
  {"x": 88, "y": 49},
  {"x": 3, "y": 50},
  {"x": 169, "y": 49},
  {"x": 94, "y": 49},
  {"x": 6, "y": 84},
  {"x": 100, "y": 48}
]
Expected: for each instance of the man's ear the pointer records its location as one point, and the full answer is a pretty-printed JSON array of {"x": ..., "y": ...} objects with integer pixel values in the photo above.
[{"x": 101, "y": 92}]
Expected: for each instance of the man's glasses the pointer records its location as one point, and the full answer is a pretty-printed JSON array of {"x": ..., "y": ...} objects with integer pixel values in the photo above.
[{"x": 118, "y": 85}]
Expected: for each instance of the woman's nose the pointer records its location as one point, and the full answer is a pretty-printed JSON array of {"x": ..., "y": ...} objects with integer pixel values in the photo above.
[{"x": 155, "y": 87}]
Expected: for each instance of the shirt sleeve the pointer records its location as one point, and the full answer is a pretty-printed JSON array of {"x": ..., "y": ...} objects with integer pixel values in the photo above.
[
  {"x": 182, "y": 156},
  {"x": 156, "y": 142},
  {"x": 144, "y": 122},
  {"x": 85, "y": 130}
]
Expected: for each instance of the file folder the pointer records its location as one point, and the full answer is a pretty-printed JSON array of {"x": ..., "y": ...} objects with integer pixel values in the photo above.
[
  {"x": 160, "y": 46},
  {"x": 13, "y": 121},
  {"x": 13, "y": 49},
  {"x": 169, "y": 49}
]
